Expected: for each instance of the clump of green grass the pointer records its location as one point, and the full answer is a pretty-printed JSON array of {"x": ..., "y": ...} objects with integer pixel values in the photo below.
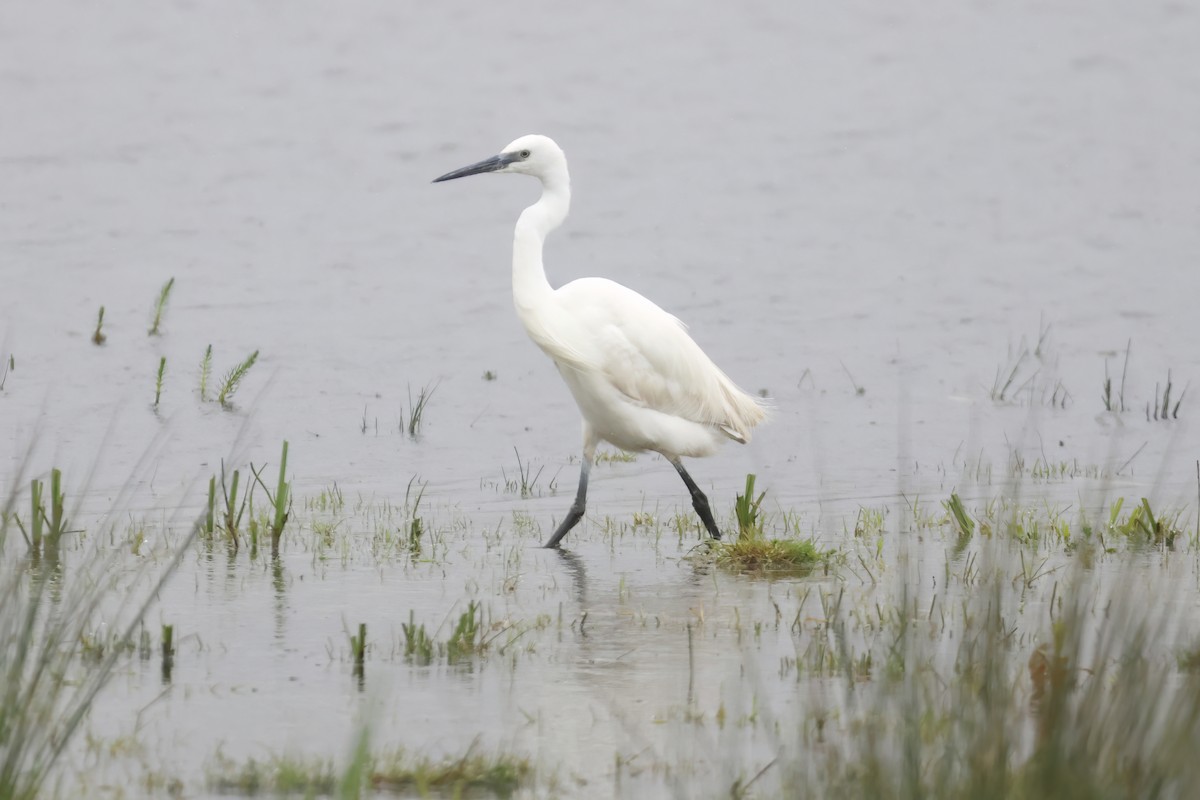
[
  {"x": 465, "y": 641},
  {"x": 772, "y": 555},
  {"x": 418, "y": 646},
  {"x": 46, "y": 530},
  {"x": 280, "y": 500},
  {"x": 962, "y": 520},
  {"x": 160, "y": 306},
  {"x": 416, "y": 408},
  {"x": 751, "y": 551},
  {"x": 748, "y": 510},
  {"x": 98, "y": 337},
  {"x": 233, "y": 379},
  {"x": 1142, "y": 523}
]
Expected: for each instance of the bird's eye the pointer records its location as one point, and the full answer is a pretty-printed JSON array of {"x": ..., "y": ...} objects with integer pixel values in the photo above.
[{"x": 524, "y": 154}]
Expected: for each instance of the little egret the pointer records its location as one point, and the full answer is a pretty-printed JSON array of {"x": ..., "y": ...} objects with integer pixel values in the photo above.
[{"x": 639, "y": 380}]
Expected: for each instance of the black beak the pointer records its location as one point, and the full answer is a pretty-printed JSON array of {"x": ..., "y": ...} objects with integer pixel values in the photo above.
[{"x": 487, "y": 165}]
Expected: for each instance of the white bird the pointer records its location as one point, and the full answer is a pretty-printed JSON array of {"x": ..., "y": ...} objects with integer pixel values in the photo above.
[{"x": 639, "y": 380}]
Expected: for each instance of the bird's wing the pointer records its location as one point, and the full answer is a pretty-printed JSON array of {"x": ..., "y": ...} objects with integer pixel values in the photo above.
[{"x": 648, "y": 356}]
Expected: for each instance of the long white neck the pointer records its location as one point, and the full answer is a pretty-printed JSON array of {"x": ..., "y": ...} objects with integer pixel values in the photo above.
[{"x": 531, "y": 291}]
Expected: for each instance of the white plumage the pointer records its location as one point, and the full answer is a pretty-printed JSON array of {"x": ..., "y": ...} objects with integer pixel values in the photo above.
[{"x": 640, "y": 381}]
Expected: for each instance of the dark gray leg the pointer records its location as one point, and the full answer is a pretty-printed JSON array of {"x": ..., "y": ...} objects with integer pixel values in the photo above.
[
  {"x": 578, "y": 507},
  {"x": 699, "y": 501}
]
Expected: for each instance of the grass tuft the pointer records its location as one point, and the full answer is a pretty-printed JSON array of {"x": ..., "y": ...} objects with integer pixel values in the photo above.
[
  {"x": 751, "y": 551},
  {"x": 748, "y": 511},
  {"x": 280, "y": 500},
  {"x": 772, "y": 555},
  {"x": 416, "y": 409}
]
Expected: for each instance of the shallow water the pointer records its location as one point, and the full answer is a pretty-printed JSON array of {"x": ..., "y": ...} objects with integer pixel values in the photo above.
[{"x": 832, "y": 197}]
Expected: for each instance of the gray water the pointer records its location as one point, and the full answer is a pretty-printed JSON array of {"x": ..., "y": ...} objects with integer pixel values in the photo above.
[{"x": 895, "y": 199}]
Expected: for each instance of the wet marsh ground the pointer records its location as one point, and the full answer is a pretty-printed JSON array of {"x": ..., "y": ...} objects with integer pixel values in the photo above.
[{"x": 955, "y": 246}]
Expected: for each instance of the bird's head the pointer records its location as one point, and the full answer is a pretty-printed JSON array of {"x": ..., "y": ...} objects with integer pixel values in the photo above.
[{"x": 534, "y": 155}]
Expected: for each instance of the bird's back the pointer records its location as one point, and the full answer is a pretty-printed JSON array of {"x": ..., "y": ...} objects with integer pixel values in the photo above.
[{"x": 608, "y": 331}]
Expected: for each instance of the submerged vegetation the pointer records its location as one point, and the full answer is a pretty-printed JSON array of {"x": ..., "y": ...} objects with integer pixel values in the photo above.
[
  {"x": 1010, "y": 670},
  {"x": 66, "y": 626},
  {"x": 472, "y": 774},
  {"x": 982, "y": 642}
]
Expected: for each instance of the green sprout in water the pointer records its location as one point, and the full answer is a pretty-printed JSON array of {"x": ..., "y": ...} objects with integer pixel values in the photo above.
[
  {"x": 205, "y": 373},
  {"x": 751, "y": 551},
  {"x": 158, "y": 380},
  {"x": 527, "y": 480},
  {"x": 1116, "y": 402},
  {"x": 280, "y": 500},
  {"x": 233, "y": 379},
  {"x": 160, "y": 306},
  {"x": 966, "y": 525},
  {"x": 98, "y": 337},
  {"x": 747, "y": 509}
]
